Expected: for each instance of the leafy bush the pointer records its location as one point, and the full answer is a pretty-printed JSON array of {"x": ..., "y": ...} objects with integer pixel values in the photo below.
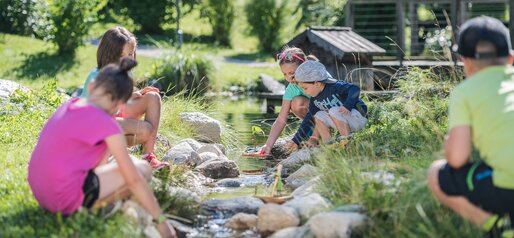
[
  {"x": 221, "y": 15},
  {"x": 183, "y": 72},
  {"x": 266, "y": 19},
  {"x": 71, "y": 20},
  {"x": 23, "y": 17}
]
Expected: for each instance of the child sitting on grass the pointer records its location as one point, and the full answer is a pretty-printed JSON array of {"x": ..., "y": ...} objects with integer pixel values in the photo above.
[
  {"x": 118, "y": 42},
  {"x": 333, "y": 104},
  {"x": 68, "y": 168}
]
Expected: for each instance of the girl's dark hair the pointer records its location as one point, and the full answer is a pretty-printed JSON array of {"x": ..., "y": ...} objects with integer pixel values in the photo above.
[
  {"x": 115, "y": 79},
  {"x": 111, "y": 45},
  {"x": 297, "y": 51}
]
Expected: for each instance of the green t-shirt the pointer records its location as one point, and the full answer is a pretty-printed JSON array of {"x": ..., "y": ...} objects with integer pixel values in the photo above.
[
  {"x": 90, "y": 77},
  {"x": 485, "y": 102},
  {"x": 292, "y": 91}
]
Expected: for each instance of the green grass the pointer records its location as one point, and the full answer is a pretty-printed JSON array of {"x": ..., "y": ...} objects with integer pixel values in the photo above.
[{"x": 403, "y": 137}]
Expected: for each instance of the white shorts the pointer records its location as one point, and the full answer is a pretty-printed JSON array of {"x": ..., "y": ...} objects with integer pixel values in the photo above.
[{"x": 354, "y": 119}]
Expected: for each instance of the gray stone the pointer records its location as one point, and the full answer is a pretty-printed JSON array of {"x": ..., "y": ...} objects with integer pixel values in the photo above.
[
  {"x": 273, "y": 217},
  {"x": 206, "y": 156},
  {"x": 335, "y": 224},
  {"x": 221, "y": 147},
  {"x": 242, "y": 221},
  {"x": 193, "y": 143},
  {"x": 182, "y": 230},
  {"x": 279, "y": 150},
  {"x": 272, "y": 85},
  {"x": 212, "y": 148},
  {"x": 296, "y": 160},
  {"x": 229, "y": 183},
  {"x": 7, "y": 87},
  {"x": 206, "y": 128},
  {"x": 183, "y": 194},
  {"x": 307, "y": 188},
  {"x": 182, "y": 153},
  {"x": 292, "y": 232},
  {"x": 196, "y": 182},
  {"x": 216, "y": 169},
  {"x": 301, "y": 176},
  {"x": 308, "y": 205},
  {"x": 232, "y": 206}
]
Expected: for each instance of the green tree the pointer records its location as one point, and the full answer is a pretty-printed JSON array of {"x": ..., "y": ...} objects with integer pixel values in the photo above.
[
  {"x": 266, "y": 19},
  {"x": 71, "y": 21},
  {"x": 221, "y": 15},
  {"x": 319, "y": 12}
]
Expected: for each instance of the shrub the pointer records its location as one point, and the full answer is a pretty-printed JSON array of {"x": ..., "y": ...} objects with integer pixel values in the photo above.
[
  {"x": 23, "y": 17},
  {"x": 71, "y": 20},
  {"x": 221, "y": 15},
  {"x": 182, "y": 72},
  {"x": 266, "y": 19}
]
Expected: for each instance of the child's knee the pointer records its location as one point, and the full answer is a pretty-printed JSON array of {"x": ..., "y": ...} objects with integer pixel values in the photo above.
[
  {"x": 433, "y": 174},
  {"x": 318, "y": 122},
  {"x": 144, "y": 169}
]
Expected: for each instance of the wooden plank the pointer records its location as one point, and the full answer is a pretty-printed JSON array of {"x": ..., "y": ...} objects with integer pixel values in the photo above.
[{"x": 400, "y": 30}]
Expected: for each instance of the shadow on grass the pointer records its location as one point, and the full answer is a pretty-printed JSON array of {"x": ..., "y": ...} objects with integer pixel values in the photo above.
[
  {"x": 44, "y": 64},
  {"x": 256, "y": 56}
]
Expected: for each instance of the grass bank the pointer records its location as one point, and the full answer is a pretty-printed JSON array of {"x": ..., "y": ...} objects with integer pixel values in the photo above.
[{"x": 402, "y": 139}]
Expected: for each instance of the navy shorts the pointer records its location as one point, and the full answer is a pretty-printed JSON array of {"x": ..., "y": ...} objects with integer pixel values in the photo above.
[
  {"x": 91, "y": 189},
  {"x": 474, "y": 181}
]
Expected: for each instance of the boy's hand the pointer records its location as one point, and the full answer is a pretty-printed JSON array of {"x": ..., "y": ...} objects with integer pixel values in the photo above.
[
  {"x": 291, "y": 146},
  {"x": 312, "y": 142},
  {"x": 343, "y": 110}
]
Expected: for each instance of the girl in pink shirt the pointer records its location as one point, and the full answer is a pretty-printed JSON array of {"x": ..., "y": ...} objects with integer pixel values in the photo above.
[{"x": 68, "y": 168}]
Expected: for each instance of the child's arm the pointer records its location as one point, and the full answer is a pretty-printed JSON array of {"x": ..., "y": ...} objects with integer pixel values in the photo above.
[
  {"x": 307, "y": 125},
  {"x": 138, "y": 186},
  {"x": 277, "y": 127},
  {"x": 352, "y": 97},
  {"x": 457, "y": 146}
]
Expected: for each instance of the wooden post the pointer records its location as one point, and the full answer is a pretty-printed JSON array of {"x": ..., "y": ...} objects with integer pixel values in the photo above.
[
  {"x": 348, "y": 14},
  {"x": 400, "y": 30},
  {"x": 511, "y": 21},
  {"x": 454, "y": 18},
  {"x": 413, "y": 16}
]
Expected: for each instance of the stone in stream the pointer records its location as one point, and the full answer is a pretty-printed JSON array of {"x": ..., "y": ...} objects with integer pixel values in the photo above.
[
  {"x": 307, "y": 188},
  {"x": 193, "y": 143},
  {"x": 219, "y": 168},
  {"x": 206, "y": 156},
  {"x": 182, "y": 230},
  {"x": 229, "y": 183},
  {"x": 335, "y": 224},
  {"x": 308, "y": 205},
  {"x": 300, "y": 176},
  {"x": 273, "y": 217},
  {"x": 292, "y": 232},
  {"x": 242, "y": 221},
  {"x": 296, "y": 160},
  {"x": 279, "y": 150},
  {"x": 212, "y": 148},
  {"x": 231, "y": 206},
  {"x": 182, "y": 153},
  {"x": 206, "y": 128}
]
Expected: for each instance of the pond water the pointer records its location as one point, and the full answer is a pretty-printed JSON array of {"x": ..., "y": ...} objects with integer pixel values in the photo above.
[{"x": 240, "y": 115}]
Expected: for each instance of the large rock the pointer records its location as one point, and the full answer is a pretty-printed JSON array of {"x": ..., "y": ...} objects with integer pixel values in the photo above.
[
  {"x": 242, "y": 221},
  {"x": 279, "y": 150},
  {"x": 182, "y": 153},
  {"x": 196, "y": 182},
  {"x": 7, "y": 87},
  {"x": 243, "y": 180},
  {"x": 229, "y": 183},
  {"x": 307, "y": 188},
  {"x": 273, "y": 217},
  {"x": 232, "y": 206},
  {"x": 296, "y": 160},
  {"x": 193, "y": 143},
  {"x": 206, "y": 156},
  {"x": 206, "y": 128},
  {"x": 292, "y": 232},
  {"x": 300, "y": 176},
  {"x": 183, "y": 194},
  {"x": 212, "y": 148},
  {"x": 308, "y": 205},
  {"x": 219, "y": 168},
  {"x": 335, "y": 224}
]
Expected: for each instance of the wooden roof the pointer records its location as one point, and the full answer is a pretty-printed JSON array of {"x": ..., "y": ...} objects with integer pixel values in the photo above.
[{"x": 337, "y": 40}]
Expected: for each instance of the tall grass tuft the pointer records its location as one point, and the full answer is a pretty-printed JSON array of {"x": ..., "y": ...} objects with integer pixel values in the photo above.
[{"x": 403, "y": 136}]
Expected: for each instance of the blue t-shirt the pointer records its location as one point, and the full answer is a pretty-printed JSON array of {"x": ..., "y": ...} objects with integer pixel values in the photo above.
[
  {"x": 333, "y": 95},
  {"x": 90, "y": 77}
]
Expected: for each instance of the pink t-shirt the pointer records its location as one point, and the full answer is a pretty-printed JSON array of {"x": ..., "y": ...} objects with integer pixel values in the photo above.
[{"x": 71, "y": 143}]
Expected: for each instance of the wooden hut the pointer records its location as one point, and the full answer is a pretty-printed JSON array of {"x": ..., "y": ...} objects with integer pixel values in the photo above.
[{"x": 347, "y": 55}]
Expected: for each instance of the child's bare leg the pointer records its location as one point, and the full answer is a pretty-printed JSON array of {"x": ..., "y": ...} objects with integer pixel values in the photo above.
[
  {"x": 136, "y": 131},
  {"x": 323, "y": 130},
  {"x": 112, "y": 184},
  {"x": 300, "y": 106},
  {"x": 342, "y": 127},
  {"x": 148, "y": 105},
  {"x": 458, "y": 204}
]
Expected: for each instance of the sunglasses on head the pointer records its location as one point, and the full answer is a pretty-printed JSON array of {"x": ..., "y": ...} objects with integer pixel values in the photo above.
[{"x": 288, "y": 56}]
